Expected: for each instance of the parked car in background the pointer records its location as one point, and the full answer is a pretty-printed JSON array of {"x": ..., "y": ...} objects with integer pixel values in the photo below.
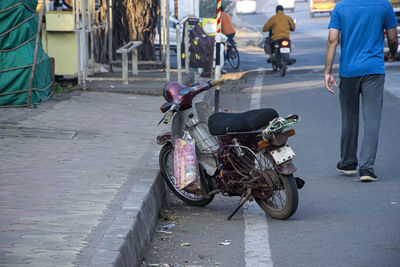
[
  {"x": 321, "y": 6},
  {"x": 287, "y": 4},
  {"x": 246, "y": 7},
  {"x": 172, "y": 34}
]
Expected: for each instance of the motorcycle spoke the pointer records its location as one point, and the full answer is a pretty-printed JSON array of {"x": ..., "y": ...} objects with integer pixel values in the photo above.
[{"x": 281, "y": 199}]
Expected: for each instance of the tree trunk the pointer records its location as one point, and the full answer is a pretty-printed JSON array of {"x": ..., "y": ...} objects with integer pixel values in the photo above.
[{"x": 136, "y": 20}]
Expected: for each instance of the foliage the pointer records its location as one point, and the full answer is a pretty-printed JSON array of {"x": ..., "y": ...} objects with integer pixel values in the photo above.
[{"x": 59, "y": 89}]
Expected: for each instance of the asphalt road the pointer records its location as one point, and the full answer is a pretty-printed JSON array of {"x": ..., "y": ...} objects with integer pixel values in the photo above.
[{"x": 340, "y": 221}]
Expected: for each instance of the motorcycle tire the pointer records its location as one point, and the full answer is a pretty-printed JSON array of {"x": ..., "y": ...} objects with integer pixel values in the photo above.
[
  {"x": 233, "y": 57},
  {"x": 283, "y": 69},
  {"x": 166, "y": 161},
  {"x": 291, "y": 198}
]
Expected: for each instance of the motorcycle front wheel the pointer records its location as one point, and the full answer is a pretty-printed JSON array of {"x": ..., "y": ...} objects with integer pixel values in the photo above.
[
  {"x": 166, "y": 161},
  {"x": 284, "y": 201}
]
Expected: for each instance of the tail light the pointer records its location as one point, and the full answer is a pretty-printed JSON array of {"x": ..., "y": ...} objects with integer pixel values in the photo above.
[
  {"x": 285, "y": 43},
  {"x": 275, "y": 140}
]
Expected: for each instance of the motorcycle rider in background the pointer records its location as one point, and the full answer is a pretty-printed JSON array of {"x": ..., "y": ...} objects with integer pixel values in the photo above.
[{"x": 279, "y": 27}]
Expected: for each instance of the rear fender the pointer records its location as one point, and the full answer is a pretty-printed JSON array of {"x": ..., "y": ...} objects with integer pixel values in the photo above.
[
  {"x": 285, "y": 56},
  {"x": 164, "y": 138},
  {"x": 286, "y": 168}
]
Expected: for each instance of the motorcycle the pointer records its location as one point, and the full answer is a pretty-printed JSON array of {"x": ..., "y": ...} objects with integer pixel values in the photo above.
[
  {"x": 280, "y": 52},
  {"x": 280, "y": 56},
  {"x": 239, "y": 154}
]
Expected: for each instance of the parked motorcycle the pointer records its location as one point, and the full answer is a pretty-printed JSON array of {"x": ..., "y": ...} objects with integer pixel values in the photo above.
[{"x": 239, "y": 154}]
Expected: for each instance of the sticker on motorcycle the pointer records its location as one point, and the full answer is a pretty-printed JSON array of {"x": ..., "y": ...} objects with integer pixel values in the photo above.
[{"x": 282, "y": 154}]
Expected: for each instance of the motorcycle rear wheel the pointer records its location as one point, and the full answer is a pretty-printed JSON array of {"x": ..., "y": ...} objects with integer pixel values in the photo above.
[
  {"x": 166, "y": 161},
  {"x": 278, "y": 206},
  {"x": 283, "y": 69}
]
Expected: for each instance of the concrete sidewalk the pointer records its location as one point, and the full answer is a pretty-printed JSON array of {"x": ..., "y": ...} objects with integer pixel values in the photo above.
[{"x": 79, "y": 182}]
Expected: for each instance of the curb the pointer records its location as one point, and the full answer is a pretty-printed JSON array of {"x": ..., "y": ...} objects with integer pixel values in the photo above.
[{"x": 126, "y": 239}]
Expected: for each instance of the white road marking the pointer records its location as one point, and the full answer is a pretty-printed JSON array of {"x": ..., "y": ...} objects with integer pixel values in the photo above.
[
  {"x": 256, "y": 241},
  {"x": 156, "y": 155},
  {"x": 256, "y": 96}
]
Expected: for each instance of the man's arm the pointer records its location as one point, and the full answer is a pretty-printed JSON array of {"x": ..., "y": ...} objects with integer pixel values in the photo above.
[
  {"x": 393, "y": 43},
  {"x": 333, "y": 40},
  {"x": 268, "y": 25}
]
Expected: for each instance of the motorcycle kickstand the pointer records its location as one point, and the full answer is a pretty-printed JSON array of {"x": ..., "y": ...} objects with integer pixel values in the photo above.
[{"x": 243, "y": 200}]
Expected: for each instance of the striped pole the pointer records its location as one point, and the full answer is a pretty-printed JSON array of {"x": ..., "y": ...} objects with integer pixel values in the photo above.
[
  {"x": 176, "y": 9},
  {"x": 218, "y": 55}
]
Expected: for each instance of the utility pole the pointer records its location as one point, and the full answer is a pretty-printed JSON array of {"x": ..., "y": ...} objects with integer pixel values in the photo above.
[
  {"x": 218, "y": 55},
  {"x": 176, "y": 9}
]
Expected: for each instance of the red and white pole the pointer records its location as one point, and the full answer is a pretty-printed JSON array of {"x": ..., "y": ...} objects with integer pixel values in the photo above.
[{"x": 218, "y": 38}]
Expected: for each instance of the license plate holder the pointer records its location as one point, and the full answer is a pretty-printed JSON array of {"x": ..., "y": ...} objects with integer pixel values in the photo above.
[
  {"x": 282, "y": 154},
  {"x": 284, "y": 50}
]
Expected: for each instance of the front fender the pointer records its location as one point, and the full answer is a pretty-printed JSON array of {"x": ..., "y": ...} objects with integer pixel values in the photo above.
[{"x": 164, "y": 138}]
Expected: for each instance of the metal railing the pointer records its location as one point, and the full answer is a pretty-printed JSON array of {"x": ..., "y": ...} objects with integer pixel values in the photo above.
[{"x": 184, "y": 22}]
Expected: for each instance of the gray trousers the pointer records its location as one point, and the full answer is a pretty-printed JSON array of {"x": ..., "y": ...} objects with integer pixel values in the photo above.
[{"x": 370, "y": 88}]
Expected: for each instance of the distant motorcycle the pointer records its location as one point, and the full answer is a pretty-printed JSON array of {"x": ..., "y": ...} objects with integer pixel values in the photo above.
[
  {"x": 280, "y": 53},
  {"x": 280, "y": 56},
  {"x": 239, "y": 154}
]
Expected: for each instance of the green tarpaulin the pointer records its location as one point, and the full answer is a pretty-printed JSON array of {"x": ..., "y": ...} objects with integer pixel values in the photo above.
[{"x": 18, "y": 31}]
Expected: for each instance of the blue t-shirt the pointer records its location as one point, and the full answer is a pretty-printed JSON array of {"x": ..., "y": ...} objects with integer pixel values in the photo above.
[{"x": 362, "y": 24}]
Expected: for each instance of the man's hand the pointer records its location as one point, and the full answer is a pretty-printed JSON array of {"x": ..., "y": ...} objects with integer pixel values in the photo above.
[
  {"x": 329, "y": 81},
  {"x": 333, "y": 39},
  {"x": 391, "y": 35}
]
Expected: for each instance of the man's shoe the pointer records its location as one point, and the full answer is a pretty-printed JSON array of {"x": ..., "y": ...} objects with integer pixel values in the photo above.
[
  {"x": 223, "y": 71},
  {"x": 367, "y": 176},
  {"x": 350, "y": 169},
  {"x": 269, "y": 60}
]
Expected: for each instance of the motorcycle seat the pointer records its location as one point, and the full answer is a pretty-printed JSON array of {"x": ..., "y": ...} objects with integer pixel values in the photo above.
[{"x": 221, "y": 123}]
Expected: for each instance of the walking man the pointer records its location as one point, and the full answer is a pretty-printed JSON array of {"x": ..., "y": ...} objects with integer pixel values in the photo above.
[{"x": 359, "y": 25}]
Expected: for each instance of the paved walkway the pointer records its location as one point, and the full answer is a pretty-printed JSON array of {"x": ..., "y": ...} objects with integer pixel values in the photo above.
[{"x": 74, "y": 175}]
